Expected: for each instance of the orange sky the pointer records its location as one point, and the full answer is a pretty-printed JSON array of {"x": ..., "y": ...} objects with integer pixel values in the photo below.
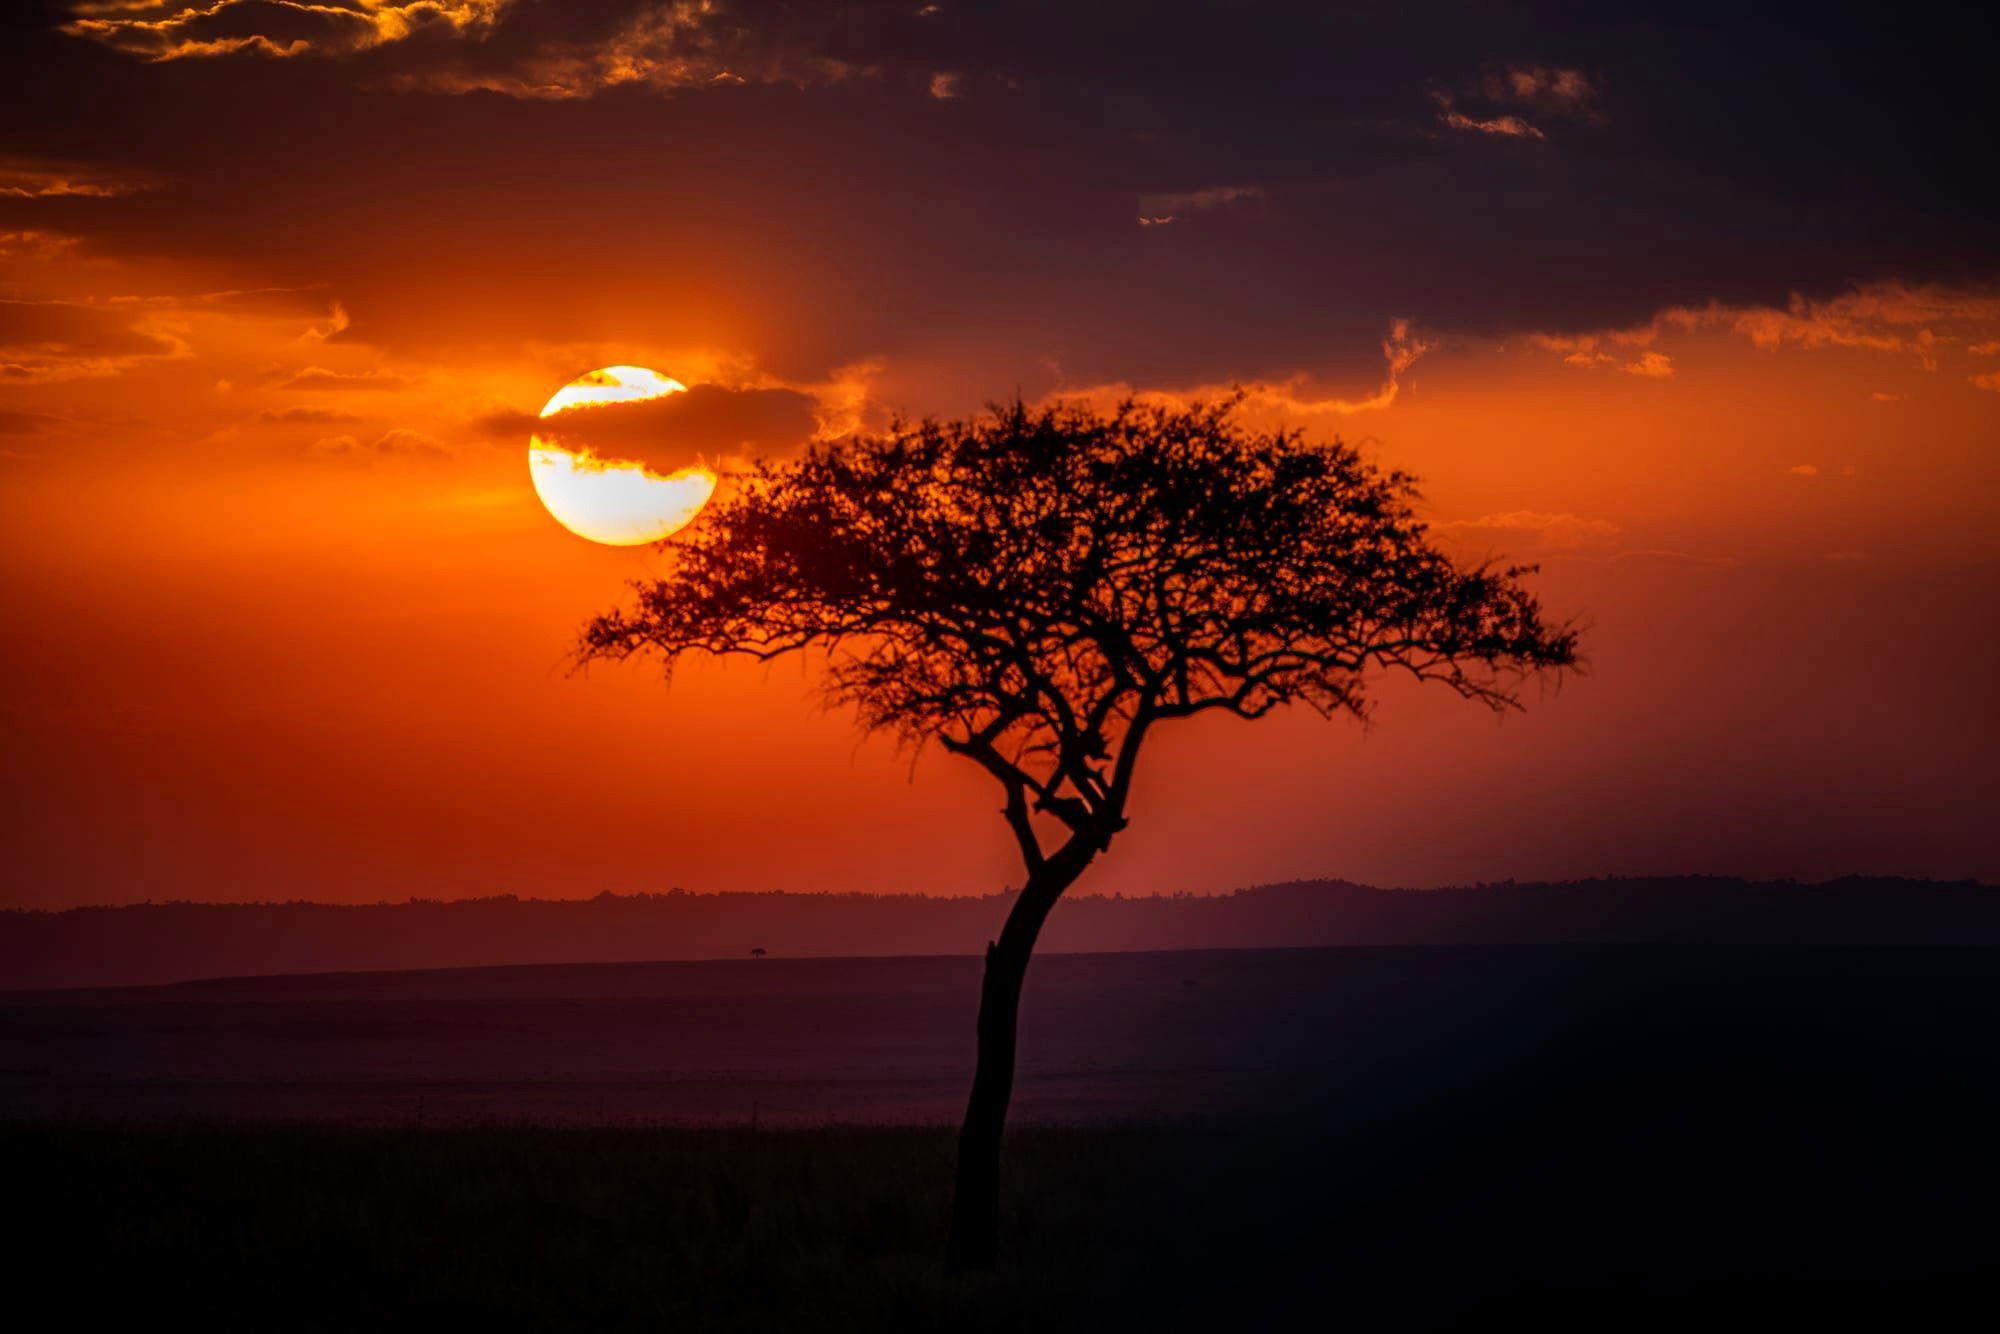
[{"x": 285, "y": 618}]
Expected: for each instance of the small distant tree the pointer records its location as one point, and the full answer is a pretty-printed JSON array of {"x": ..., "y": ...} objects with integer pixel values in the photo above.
[{"x": 1039, "y": 590}]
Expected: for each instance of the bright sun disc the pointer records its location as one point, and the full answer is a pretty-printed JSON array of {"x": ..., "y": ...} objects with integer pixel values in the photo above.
[{"x": 620, "y": 502}]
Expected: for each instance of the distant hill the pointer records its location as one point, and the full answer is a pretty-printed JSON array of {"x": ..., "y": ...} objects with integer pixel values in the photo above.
[{"x": 169, "y": 942}]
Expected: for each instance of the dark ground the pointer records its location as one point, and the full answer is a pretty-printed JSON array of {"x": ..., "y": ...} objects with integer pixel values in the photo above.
[{"x": 1603, "y": 1139}]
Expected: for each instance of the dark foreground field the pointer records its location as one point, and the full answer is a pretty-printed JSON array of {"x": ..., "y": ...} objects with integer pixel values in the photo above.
[{"x": 1587, "y": 1139}]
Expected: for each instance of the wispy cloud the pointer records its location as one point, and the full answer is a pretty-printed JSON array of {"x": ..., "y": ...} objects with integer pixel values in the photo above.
[
  {"x": 1668, "y": 555},
  {"x": 322, "y": 379},
  {"x": 306, "y": 417},
  {"x": 403, "y": 445},
  {"x": 1512, "y": 127},
  {"x": 1588, "y": 352},
  {"x": 674, "y": 44},
  {"x": 1881, "y": 317},
  {"x": 37, "y": 245},
  {"x": 1551, "y": 92},
  {"x": 844, "y": 402},
  {"x": 276, "y": 29},
  {"x": 1920, "y": 321},
  {"x": 1292, "y": 397},
  {"x": 1501, "y": 101},
  {"x": 1157, "y": 210},
  {"x": 1563, "y": 531},
  {"x": 1401, "y": 350},
  {"x": 30, "y": 178}
]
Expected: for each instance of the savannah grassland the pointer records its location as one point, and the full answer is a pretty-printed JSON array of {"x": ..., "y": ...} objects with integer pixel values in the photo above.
[
  {"x": 1597, "y": 1138},
  {"x": 314, "y": 1227},
  {"x": 525, "y": 1227}
]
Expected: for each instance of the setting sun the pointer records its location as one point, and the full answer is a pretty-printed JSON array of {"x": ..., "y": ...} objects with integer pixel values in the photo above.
[{"x": 616, "y": 501}]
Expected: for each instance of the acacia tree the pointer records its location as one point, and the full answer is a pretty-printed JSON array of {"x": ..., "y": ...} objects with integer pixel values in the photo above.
[{"x": 1038, "y": 591}]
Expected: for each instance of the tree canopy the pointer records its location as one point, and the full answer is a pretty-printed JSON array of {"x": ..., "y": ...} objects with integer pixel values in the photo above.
[{"x": 1039, "y": 587}]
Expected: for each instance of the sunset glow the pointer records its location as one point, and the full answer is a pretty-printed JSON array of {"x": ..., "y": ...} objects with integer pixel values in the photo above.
[{"x": 1711, "y": 336}]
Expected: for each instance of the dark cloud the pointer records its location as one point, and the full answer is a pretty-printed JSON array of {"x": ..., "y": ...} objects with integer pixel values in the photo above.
[
  {"x": 706, "y": 423},
  {"x": 782, "y": 179},
  {"x": 504, "y": 424},
  {"x": 73, "y": 329},
  {"x": 56, "y": 339},
  {"x": 266, "y": 28},
  {"x": 271, "y": 303},
  {"x": 26, "y": 423}
]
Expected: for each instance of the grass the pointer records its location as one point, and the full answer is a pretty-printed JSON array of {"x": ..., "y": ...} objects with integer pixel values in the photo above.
[
  {"x": 1609, "y": 1141},
  {"x": 531, "y": 1227},
  {"x": 1483, "y": 1219}
]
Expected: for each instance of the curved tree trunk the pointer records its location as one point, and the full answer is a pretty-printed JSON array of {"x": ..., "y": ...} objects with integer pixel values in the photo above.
[{"x": 975, "y": 1206}]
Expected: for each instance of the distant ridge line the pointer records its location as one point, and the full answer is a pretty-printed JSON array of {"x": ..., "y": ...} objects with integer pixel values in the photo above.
[{"x": 151, "y": 943}]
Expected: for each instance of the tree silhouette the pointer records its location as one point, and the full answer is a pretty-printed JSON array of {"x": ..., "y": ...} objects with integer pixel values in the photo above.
[{"x": 1038, "y": 590}]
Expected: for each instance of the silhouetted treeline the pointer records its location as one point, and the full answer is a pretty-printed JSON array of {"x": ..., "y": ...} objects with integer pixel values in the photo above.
[{"x": 166, "y": 942}]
